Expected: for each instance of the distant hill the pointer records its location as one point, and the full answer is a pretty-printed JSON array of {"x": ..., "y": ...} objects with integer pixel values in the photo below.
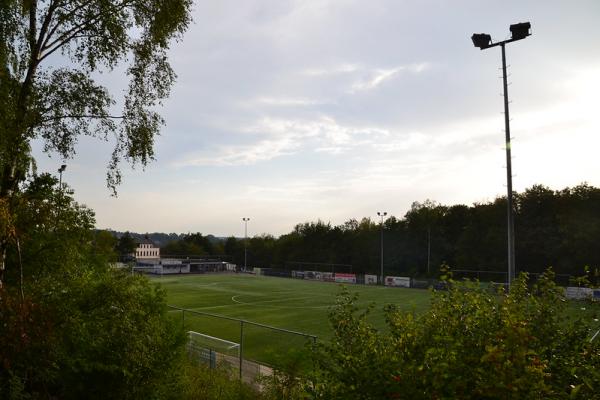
[{"x": 161, "y": 238}]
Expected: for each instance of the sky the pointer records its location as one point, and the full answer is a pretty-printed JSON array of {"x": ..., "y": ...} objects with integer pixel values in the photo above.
[{"x": 288, "y": 111}]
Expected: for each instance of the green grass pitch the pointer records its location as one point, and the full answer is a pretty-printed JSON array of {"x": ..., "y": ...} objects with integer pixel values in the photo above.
[{"x": 292, "y": 304}]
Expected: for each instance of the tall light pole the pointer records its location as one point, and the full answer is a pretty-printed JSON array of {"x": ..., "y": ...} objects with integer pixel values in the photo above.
[
  {"x": 60, "y": 191},
  {"x": 381, "y": 214},
  {"x": 484, "y": 41},
  {"x": 245, "y": 241},
  {"x": 60, "y": 171}
]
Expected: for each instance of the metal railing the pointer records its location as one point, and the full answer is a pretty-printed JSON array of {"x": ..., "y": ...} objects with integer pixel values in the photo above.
[{"x": 272, "y": 344}]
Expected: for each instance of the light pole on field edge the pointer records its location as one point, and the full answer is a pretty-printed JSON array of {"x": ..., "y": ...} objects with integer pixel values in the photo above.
[
  {"x": 381, "y": 214},
  {"x": 60, "y": 190},
  {"x": 60, "y": 172},
  {"x": 245, "y": 241},
  {"x": 484, "y": 41}
]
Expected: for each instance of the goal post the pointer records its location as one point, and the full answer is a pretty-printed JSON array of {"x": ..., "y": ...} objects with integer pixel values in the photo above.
[{"x": 213, "y": 350}]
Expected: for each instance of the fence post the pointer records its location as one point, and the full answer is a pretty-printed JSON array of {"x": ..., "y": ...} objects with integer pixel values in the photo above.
[{"x": 241, "y": 347}]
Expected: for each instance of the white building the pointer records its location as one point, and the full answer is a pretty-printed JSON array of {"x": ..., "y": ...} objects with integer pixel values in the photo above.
[{"x": 146, "y": 251}]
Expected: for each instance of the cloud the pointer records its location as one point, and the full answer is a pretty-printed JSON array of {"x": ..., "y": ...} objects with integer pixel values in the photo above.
[
  {"x": 288, "y": 101},
  {"x": 336, "y": 70},
  {"x": 262, "y": 150},
  {"x": 376, "y": 77},
  {"x": 276, "y": 137},
  {"x": 368, "y": 78}
]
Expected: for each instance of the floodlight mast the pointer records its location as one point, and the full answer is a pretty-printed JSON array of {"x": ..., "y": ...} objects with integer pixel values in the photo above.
[
  {"x": 381, "y": 214},
  {"x": 60, "y": 171},
  {"x": 245, "y": 219},
  {"x": 484, "y": 41}
]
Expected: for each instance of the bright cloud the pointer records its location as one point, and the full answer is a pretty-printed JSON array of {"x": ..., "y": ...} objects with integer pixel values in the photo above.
[
  {"x": 340, "y": 69},
  {"x": 376, "y": 77},
  {"x": 286, "y": 137},
  {"x": 289, "y": 101}
]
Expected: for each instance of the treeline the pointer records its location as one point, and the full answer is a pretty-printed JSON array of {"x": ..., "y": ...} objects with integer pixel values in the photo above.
[
  {"x": 552, "y": 228},
  {"x": 160, "y": 239}
]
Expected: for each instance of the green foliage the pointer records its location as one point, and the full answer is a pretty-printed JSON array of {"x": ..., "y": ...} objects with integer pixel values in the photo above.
[
  {"x": 77, "y": 334},
  {"x": 126, "y": 245},
  {"x": 54, "y": 233},
  {"x": 590, "y": 278},
  {"x": 56, "y": 104},
  {"x": 286, "y": 382},
  {"x": 553, "y": 228},
  {"x": 70, "y": 323},
  {"x": 471, "y": 344},
  {"x": 203, "y": 383},
  {"x": 192, "y": 244},
  {"x": 351, "y": 366}
]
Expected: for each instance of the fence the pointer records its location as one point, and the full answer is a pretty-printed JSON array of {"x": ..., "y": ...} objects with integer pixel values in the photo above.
[
  {"x": 490, "y": 279},
  {"x": 261, "y": 347}
]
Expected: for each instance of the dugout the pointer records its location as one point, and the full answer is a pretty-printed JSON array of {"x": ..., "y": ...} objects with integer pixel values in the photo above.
[{"x": 202, "y": 267}]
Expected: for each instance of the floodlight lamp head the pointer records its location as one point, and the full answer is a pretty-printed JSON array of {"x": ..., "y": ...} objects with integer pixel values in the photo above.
[
  {"x": 481, "y": 40},
  {"x": 62, "y": 168},
  {"x": 520, "y": 30}
]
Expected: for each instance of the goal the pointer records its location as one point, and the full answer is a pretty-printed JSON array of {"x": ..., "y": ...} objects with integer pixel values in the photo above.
[{"x": 212, "y": 350}]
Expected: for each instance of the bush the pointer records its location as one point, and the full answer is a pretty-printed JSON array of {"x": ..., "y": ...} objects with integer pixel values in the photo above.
[
  {"x": 102, "y": 335},
  {"x": 471, "y": 344},
  {"x": 72, "y": 327}
]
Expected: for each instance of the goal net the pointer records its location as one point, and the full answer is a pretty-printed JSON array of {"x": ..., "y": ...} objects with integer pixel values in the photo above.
[{"x": 212, "y": 350}]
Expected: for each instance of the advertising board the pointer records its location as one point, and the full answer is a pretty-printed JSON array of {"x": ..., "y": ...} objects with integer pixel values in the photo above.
[
  {"x": 578, "y": 293},
  {"x": 398, "y": 281},
  {"x": 345, "y": 278}
]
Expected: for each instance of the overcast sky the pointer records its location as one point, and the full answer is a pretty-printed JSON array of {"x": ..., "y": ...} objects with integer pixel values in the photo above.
[{"x": 293, "y": 111}]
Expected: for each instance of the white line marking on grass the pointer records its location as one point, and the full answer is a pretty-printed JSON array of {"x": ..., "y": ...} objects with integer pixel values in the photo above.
[
  {"x": 262, "y": 303},
  {"x": 201, "y": 285}
]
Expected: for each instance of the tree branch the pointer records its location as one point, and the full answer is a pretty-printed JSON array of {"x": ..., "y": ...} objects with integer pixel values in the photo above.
[
  {"x": 81, "y": 116},
  {"x": 44, "y": 29},
  {"x": 70, "y": 34},
  {"x": 32, "y": 26},
  {"x": 62, "y": 18}
]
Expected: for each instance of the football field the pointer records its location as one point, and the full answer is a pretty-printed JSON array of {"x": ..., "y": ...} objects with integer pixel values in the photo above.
[
  {"x": 294, "y": 304},
  {"x": 291, "y": 304}
]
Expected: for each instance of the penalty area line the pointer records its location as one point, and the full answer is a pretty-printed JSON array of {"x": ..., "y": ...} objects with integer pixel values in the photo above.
[{"x": 263, "y": 303}]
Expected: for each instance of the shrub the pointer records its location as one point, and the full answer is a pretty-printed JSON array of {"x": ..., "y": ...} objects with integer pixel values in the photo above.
[{"x": 471, "y": 344}]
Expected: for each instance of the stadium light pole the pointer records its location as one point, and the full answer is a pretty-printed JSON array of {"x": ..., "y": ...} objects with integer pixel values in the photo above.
[
  {"x": 60, "y": 172},
  {"x": 381, "y": 214},
  {"x": 484, "y": 41},
  {"x": 60, "y": 190},
  {"x": 245, "y": 241}
]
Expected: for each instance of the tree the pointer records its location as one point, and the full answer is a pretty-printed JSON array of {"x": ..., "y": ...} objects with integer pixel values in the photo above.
[
  {"x": 192, "y": 244},
  {"x": 70, "y": 323},
  {"x": 425, "y": 217},
  {"x": 59, "y": 103},
  {"x": 105, "y": 245},
  {"x": 126, "y": 246}
]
